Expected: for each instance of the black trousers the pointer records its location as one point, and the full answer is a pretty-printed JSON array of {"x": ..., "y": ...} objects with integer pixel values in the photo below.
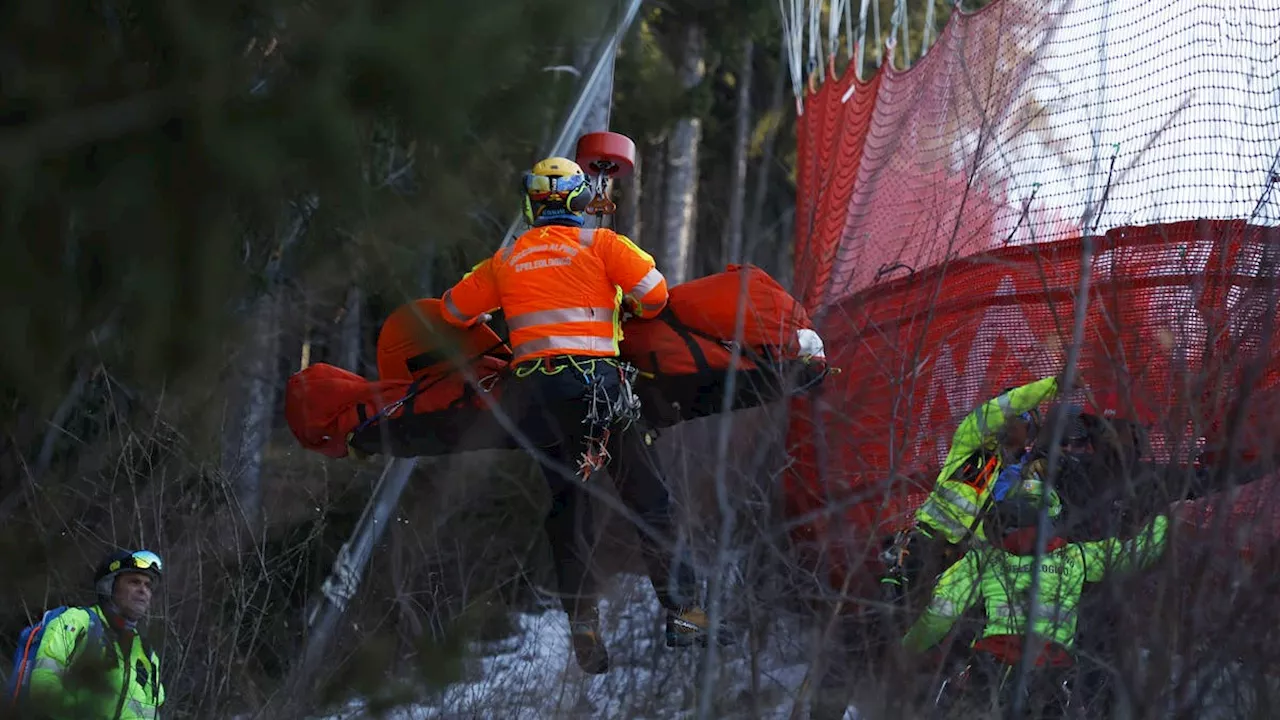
[{"x": 551, "y": 408}]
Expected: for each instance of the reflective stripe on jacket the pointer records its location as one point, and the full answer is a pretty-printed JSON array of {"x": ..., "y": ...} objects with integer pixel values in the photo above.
[
  {"x": 958, "y": 497},
  {"x": 133, "y": 686},
  {"x": 1003, "y": 580},
  {"x": 560, "y": 289}
]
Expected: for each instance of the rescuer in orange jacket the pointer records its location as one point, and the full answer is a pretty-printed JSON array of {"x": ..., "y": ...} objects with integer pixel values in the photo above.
[
  {"x": 561, "y": 287},
  {"x": 560, "y": 284}
]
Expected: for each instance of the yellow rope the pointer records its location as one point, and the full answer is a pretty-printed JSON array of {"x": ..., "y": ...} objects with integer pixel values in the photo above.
[{"x": 586, "y": 367}]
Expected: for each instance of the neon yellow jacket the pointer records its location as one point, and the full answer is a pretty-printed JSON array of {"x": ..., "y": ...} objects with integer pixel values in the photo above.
[
  {"x": 74, "y": 680},
  {"x": 973, "y": 463},
  {"x": 1003, "y": 580}
]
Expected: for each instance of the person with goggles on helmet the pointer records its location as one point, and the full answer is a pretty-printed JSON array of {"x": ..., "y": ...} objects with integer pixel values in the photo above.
[
  {"x": 989, "y": 440},
  {"x": 999, "y": 573},
  {"x": 562, "y": 287},
  {"x": 121, "y": 673}
]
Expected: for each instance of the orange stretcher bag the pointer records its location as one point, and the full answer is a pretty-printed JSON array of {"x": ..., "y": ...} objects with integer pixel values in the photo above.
[
  {"x": 684, "y": 354},
  {"x": 324, "y": 403},
  {"x": 415, "y": 341},
  {"x": 438, "y": 383},
  {"x": 426, "y": 401}
]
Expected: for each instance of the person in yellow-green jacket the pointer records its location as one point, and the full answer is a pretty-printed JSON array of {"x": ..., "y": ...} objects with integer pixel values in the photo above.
[
  {"x": 999, "y": 573},
  {"x": 91, "y": 662},
  {"x": 989, "y": 439}
]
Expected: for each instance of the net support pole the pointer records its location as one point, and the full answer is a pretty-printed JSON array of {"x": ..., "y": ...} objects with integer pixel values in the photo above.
[
  {"x": 327, "y": 607},
  {"x": 599, "y": 100},
  {"x": 596, "y": 91}
]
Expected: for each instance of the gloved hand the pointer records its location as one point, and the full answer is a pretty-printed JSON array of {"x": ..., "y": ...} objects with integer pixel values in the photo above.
[{"x": 353, "y": 451}]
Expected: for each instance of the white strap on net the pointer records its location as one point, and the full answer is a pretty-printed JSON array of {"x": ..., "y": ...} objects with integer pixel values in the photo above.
[
  {"x": 930, "y": 17},
  {"x": 839, "y": 9},
  {"x": 860, "y": 51},
  {"x": 815, "y": 28},
  {"x": 792, "y": 15},
  {"x": 901, "y": 12},
  {"x": 796, "y": 15},
  {"x": 895, "y": 21},
  {"x": 848, "y": 30}
]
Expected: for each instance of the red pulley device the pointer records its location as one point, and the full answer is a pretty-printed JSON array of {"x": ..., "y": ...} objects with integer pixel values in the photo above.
[
  {"x": 607, "y": 153},
  {"x": 605, "y": 156}
]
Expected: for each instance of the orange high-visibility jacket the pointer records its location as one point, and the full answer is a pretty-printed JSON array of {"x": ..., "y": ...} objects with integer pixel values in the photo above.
[{"x": 560, "y": 289}]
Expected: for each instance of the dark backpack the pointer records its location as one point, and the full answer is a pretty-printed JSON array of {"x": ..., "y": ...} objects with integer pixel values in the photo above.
[{"x": 18, "y": 686}]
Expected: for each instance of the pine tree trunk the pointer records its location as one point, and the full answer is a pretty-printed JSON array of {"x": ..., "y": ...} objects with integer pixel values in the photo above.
[
  {"x": 732, "y": 248},
  {"x": 242, "y": 460},
  {"x": 629, "y": 211},
  {"x": 682, "y": 168},
  {"x": 651, "y": 201},
  {"x": 786, "y": 249},
  {"x": 764, "y": 169},
  {"x": 351, "y": 339},
  {"x": 245, "y": 441}
]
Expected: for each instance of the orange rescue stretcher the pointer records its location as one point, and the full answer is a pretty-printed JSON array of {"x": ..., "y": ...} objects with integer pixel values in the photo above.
[{"x": 439, "y": 386}]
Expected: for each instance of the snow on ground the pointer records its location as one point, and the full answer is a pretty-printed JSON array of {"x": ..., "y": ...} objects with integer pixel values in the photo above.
[{"x": 533, "y": 674}]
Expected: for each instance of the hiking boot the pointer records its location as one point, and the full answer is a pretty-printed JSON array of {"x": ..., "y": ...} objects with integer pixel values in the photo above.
[
  {"x": 687, "y": 626},
  {"x": 588, "y": 644}
]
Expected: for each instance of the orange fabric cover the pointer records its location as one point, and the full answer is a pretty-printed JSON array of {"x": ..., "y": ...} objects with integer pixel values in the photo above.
[
  {"x": 708, "y": 306},
  {"x": 408, "y": 342}
]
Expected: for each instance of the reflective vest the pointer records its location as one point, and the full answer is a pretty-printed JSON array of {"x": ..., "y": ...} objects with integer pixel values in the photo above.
[
  {"x": 128, "y": 690},
  {"x": 973, "y": 463},
  {"x": 560, "y": 289},
  {"x": 1002, "y": 580}
]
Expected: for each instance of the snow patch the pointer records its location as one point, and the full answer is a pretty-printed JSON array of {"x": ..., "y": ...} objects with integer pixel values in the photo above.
[{"x": 533, "y": 673}]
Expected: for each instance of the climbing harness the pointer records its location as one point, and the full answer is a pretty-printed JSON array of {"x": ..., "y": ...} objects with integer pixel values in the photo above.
[{"x": 604, "y": 414}]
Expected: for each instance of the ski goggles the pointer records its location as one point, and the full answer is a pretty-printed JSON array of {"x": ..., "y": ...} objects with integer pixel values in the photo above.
[
  {"x": 140, "y": 560},
  {"x": 542, "y": 187}
]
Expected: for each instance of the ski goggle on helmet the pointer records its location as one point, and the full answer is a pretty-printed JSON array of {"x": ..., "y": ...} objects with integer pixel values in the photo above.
[
  {"x": 552, "y": 187},
  {"x": 555, "y": 182},
  {"x": 139, "y": 560},
  {"x": 127, "y": 561}
]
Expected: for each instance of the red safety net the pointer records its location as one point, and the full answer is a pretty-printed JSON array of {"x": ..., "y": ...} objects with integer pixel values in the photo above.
[{"x": 939, "y": 237}]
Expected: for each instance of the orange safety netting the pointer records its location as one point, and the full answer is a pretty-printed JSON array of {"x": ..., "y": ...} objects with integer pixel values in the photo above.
[{"x": 939, "y": 219}]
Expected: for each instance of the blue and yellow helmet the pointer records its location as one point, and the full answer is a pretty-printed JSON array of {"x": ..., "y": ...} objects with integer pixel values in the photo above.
[{"x": 556, "y": 189}]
